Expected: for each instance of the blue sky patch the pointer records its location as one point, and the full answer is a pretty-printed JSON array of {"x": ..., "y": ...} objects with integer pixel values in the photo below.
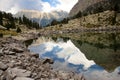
[{"x": 53, "y": 3}]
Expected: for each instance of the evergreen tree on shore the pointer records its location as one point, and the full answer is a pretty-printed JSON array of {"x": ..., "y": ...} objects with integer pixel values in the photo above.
[{"x": 11, "y": 21}]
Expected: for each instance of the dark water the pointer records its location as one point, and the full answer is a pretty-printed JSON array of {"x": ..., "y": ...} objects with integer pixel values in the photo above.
[{"x": 102, "y": 48}]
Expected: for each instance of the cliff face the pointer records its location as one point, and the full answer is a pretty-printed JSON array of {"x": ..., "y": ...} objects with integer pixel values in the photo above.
[{"x": 86, "y": 7}]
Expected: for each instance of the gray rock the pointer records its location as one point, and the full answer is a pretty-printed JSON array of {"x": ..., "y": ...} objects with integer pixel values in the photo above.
[
  {"x": 1, "y": 52},
  {"x": 34, "y": 55},
  {"x": 119, "y": 72},
  {"x": 77, "y": 77},
  {"x": 45, "y": 79},
  {"x": 17, "y": 49},
  {"x": 18, "y": 72},
  {"x": 38, "y": 75},
  {"x": 3, "y": 66},
  {"x": 6, "y": 51},
  {"x": 14, "y": 56},
  {"x": 11, "y": 53},
  {"x": 23, "y": 78},
  {"x": 64, "y": 75},
  {"x": 34, "y": 75},
  {"x": 11, "y": 65},
  {"x": 3, "y": 77},
  {"x": 9, "y": 75},
  {"x": 18, "y": 63},
  {"x": 44, "y": 75},
  {"x": 1, "y": 72}
]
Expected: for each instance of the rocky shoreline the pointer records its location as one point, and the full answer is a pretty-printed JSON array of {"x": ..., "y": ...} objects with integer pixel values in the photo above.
[{"x": 17, "y": 63}]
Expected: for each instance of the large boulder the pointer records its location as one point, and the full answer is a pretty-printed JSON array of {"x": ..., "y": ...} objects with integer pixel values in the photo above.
[
  {"x": 17, "y": 49},
  {"x": 12, "y": 73},
  {"x": 86, "y": 7},
  {"x": 19, "y": 72}
]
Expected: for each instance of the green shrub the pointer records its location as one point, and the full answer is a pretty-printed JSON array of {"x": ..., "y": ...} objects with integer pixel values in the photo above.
[
  {"x": 18, "y": 30},
  {"x": 1, "y": 35}
]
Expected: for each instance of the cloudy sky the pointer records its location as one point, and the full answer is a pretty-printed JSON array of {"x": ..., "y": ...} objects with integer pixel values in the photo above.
[{"x": 14, "y": 6}]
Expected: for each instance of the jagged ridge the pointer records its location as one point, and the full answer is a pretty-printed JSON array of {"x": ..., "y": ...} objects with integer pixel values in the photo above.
[{"x": 87, "y": 7}]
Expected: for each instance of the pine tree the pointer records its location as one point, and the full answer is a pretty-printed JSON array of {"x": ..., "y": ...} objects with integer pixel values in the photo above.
[
  {"x": 8, "y": 26},
  {"x": 12, "y": 25},
  {"x": 1, "y": 19},
  {"x": 20, "y": 20},
  {"x": 54, "y": 22}
]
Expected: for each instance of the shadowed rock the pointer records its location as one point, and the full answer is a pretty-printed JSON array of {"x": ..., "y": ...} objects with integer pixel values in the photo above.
[{"x": 50, "y": 61}]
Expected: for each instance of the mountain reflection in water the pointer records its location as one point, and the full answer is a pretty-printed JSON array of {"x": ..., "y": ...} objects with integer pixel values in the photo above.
[{"x": 96, "y": 55}]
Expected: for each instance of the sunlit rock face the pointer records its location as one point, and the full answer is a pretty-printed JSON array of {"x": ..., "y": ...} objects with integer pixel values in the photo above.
[
  {"x": 86, "y": 7},
  {"x": 61, "y": 51}
]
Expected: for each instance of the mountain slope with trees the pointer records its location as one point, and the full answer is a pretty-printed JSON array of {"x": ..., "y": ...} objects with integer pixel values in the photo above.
[
  {"x": 12, "y": 25},
  {"x": 87, "y": 7},
  {"x": 7, "y": 20},
  {"x": 43, "y": 18}
]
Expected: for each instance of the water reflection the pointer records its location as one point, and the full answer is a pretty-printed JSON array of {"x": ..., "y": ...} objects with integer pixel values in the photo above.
[
  {"x": 103, "y": 48},
  {"x": 64, "y": 52},
  {"x": 102, "y": 74}
]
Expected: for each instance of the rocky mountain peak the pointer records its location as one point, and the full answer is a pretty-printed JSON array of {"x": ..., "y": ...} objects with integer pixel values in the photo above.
[
  {"x": 86, "y": 7},
  {"x": 43, "y": 18}
]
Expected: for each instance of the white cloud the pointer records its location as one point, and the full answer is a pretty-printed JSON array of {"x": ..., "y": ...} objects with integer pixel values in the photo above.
[
  {"x": 66, "y": 5},
  {"x": 47, "y": 7},
  {"x": 14, "y": 6},
  {"x": 6, "y": 4},
  {"x": 14, "y": 9}
]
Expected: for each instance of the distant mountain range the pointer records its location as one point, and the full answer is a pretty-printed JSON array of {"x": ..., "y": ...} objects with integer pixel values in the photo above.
[{"x": 42, "y": 18}]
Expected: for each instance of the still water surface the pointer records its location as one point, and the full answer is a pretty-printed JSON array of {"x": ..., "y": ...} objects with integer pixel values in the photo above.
[{"x": 96, "y": 55}]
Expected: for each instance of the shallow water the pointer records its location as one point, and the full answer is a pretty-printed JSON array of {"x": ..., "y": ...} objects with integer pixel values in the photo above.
[{"x": 97, "y": 56}]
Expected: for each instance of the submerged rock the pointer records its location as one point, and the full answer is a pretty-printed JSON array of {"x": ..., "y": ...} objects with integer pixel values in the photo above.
[
  {"x": 34, "y": 55},
  {"x": 47, "y": 60}
]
